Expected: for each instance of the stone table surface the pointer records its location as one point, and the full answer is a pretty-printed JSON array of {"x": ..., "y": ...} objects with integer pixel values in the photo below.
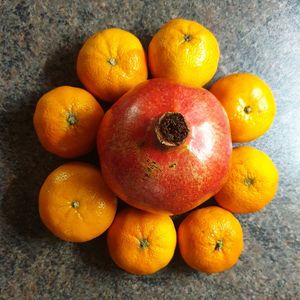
[{"x": 39, "y": 42}]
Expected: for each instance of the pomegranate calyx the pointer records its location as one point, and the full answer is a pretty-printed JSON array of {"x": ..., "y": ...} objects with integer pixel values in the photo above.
[{"x": 171, "y": 129}]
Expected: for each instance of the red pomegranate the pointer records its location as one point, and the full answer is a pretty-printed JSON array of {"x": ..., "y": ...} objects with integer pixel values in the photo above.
[{"x": 165, "y": 147}]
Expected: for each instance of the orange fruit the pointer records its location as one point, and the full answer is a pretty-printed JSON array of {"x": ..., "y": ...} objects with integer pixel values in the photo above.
[
  {"x": 249, "y": 104},
  {"x": 141, "y": 242},
  {"x": 252, "y": 181},
  {"x": 111, "y": 62},
  {"x": 184, "y": 51},
  {"x": 75, "y": 204},
  {"x": 66, "y": 121},
  {"x": 210, "y": 239}
]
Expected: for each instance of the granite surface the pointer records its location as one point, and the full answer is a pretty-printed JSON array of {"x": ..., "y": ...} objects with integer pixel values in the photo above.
[{"x": 39, "y": 41}]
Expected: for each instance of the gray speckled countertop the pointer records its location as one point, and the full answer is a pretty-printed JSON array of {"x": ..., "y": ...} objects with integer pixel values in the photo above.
[{"x": 39, "y": 41}]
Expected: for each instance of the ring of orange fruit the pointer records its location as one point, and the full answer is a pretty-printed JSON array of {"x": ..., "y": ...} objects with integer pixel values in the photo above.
[{"x": 74, "y": 202}]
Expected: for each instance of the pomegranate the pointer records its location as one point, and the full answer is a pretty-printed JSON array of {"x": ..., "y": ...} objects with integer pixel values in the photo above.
[{"x": 165, "y": 147}]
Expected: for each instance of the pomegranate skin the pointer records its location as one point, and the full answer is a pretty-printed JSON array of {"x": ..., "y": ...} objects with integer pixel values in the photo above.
[{"x": 151, "y": 176}]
